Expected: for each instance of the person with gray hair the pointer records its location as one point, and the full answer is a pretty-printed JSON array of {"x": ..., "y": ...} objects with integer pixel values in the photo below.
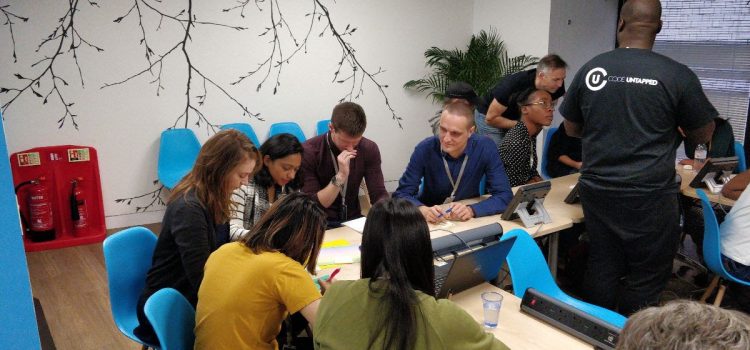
[
  {"x": 499, "y": 111},
  {"x": 686, "y": 325}
]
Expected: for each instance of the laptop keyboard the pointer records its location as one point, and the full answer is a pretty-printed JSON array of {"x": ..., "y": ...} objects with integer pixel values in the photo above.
[
  {"x": 441, "y": 274},
  {"x": 439, "y": 281}
]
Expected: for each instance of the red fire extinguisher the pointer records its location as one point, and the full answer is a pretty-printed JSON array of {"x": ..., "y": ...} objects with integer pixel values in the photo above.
[
  {"x": 40, "y": 224},
  {"x": 78, "y": 210}
]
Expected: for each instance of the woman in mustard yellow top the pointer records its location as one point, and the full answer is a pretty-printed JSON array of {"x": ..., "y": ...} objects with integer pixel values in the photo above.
[{"x": 249, "y": 286}]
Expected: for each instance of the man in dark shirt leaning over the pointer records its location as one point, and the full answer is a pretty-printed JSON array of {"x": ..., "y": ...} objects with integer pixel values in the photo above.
[
  {"x": 336, "y": 163},
  {"x": 499, "y": 111},
  {"x": 452, "y": 165},
  {"x": 626, "y": 105}
]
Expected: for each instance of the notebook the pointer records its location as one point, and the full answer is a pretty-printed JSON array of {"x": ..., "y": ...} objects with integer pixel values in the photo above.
[{"x": 458, "y": 271}]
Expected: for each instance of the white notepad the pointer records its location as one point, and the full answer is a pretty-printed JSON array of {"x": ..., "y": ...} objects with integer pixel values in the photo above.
[{"x": 356, "y": 224}]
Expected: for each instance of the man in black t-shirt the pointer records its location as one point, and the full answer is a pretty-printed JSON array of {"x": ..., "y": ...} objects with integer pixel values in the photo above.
[
  {"x": 499, "y": 111},
  {"x": 627, "y": 105}
]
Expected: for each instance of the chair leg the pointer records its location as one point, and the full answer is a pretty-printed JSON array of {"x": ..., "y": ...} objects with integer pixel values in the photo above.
[
  {"x": 720, "y": 294},
  {"x": 710, "y": 289}
]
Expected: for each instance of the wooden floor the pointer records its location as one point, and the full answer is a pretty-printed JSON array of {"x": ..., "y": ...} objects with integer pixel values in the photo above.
[{"x": 71, "y": 284}]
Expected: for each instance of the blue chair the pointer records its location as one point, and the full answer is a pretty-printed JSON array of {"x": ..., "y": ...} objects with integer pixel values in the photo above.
[
  {"x": 322, "y": 126},
  {"x": 127, "y": 256},
  {"x": 712, "y": 252},
  {"x": 173, "y": 319},
  {"x": 287, "y": 127},
  {"x": 528, "y": 269},
  {"x": 545, "y": 151},
  {"x": 483, "y": 185},
  {"x": 178, "y": 150},
  {"x": 246, "y": 129},
  {"x": 739, "y": 151}
]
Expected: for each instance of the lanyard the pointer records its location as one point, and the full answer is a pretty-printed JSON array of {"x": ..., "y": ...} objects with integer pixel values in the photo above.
[
  {"x": 458, "y": 179},
  {"x": 346, "y": 181}
]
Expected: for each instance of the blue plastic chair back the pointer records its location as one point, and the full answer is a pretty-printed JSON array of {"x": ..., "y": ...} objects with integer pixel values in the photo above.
[
  {"x": 545, "y": 151},
  {"x": 528, "y": 269},
  {"x": 127, "y": 256},
  {"x": 322, "y": 127},
  {"x": 739, "y": 151},
  {"x": 287, "y": 127},
  {"x": 178, "y": 150},
  {"x": 173, "y": 319},
  {"x": 246, "y": 129},
  {"x": 712, "y": 241}
]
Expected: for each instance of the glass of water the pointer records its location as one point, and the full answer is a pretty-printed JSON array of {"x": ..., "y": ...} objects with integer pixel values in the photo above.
[{"x": 491, "y": 302}]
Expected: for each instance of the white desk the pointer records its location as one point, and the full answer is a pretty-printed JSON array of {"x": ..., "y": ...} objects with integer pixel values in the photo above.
[
  {"x": 563, "y": 216},
  {"x": 685, "y": 189},
  {"x": 516, "y": 329}
]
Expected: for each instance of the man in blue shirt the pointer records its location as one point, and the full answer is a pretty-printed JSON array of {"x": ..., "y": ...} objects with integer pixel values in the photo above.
[{"x": 452, "y": 165}]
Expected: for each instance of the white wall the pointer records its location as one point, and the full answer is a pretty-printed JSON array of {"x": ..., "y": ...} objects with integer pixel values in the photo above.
[
  {"x": 124, "y": 122},
  {"x": 580, "y": 30},
  {"x": 523, "y": 25}
]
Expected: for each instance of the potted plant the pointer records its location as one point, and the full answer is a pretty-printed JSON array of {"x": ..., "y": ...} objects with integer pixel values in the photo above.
[{"x": 484, "y": 63}]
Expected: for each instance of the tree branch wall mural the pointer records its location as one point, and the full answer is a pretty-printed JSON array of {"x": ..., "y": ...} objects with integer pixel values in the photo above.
[{"x": 200, "y": 84}]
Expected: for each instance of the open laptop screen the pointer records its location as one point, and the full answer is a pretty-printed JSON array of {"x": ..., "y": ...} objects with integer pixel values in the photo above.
[{"x": 458, "y": 271}]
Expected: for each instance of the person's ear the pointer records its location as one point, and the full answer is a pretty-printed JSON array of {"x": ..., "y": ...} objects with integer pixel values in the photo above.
[
  {"x": 620, "y": 25},
  {"x": 267, "y": 160},
  {"x": 658, "y": 29},
  {"x": 472, "y": 129}
]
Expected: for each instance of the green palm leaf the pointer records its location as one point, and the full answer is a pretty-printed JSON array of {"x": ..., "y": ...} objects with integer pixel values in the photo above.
[{"x": 484, "y": 62}]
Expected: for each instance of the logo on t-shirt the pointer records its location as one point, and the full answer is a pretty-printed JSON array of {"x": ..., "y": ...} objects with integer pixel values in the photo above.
[{"x": 597, "y": 77}]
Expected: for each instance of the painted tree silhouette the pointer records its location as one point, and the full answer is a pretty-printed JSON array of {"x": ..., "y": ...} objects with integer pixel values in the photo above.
[{"x": 66, "y": 39}]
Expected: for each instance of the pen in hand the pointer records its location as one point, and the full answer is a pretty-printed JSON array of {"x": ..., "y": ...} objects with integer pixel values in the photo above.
[
  {"x": 335, "y": 272},
  {"x": 445, "y": 212}
]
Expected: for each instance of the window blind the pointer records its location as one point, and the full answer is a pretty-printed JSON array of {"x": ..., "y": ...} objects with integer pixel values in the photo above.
[{"x": 713, "y": 39}]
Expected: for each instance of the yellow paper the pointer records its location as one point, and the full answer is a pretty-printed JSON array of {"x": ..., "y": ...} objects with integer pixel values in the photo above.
[{"x": 335, "y": 243}]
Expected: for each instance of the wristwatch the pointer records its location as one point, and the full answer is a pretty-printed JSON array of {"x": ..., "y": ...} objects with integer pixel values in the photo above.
[{"x": 336, "y": 182}]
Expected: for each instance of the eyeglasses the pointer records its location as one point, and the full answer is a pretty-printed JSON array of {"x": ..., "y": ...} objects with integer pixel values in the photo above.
[{"x": 545, "y": 105}]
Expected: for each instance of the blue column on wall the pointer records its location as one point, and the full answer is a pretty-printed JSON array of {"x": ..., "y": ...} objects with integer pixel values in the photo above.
[{"x": 18, "y": 328}]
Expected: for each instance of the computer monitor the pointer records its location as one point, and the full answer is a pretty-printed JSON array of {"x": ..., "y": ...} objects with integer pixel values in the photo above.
[
  {"x": 715, "y": 173},
  {"x": 528, "y": 204}
]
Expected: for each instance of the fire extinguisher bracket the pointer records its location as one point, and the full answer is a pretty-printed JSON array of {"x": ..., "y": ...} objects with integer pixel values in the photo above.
[{"x": 59, "y": 196}]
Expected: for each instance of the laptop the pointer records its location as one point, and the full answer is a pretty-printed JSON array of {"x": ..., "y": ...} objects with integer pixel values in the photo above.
[{"x": 458, "y": 271}]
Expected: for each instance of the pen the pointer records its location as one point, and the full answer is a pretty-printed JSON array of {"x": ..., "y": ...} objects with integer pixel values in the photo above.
[
  {"x": 446, "y": 212},
  {"x": 335, "y": 272}
]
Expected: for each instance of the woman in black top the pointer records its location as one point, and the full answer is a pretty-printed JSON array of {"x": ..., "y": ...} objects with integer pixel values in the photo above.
[
  {"x": 563, "y": 153},
  {"x": 198, "y": 207}
]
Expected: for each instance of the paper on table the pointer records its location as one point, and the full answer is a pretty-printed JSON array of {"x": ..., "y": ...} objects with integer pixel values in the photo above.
[
  {"x": 356, "y": 224},
  {"x": 338, "y": 255},
  {"x": 335, "y": 243}
]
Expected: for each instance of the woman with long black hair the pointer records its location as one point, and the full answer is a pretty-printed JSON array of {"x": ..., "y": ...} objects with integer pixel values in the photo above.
[{"x": 393, "y": 306}]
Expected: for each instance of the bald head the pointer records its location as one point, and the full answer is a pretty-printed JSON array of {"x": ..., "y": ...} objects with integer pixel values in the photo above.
[
  {"x": 640, "y": 21},
  {"x": 643, "y": 11}
]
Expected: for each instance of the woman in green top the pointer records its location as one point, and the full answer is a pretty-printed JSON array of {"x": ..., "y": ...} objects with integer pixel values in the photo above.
[{"x": 393, "y": 306}]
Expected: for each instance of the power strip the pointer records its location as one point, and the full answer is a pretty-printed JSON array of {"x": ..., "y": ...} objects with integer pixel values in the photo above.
[{"x": 571, "y": 320}]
